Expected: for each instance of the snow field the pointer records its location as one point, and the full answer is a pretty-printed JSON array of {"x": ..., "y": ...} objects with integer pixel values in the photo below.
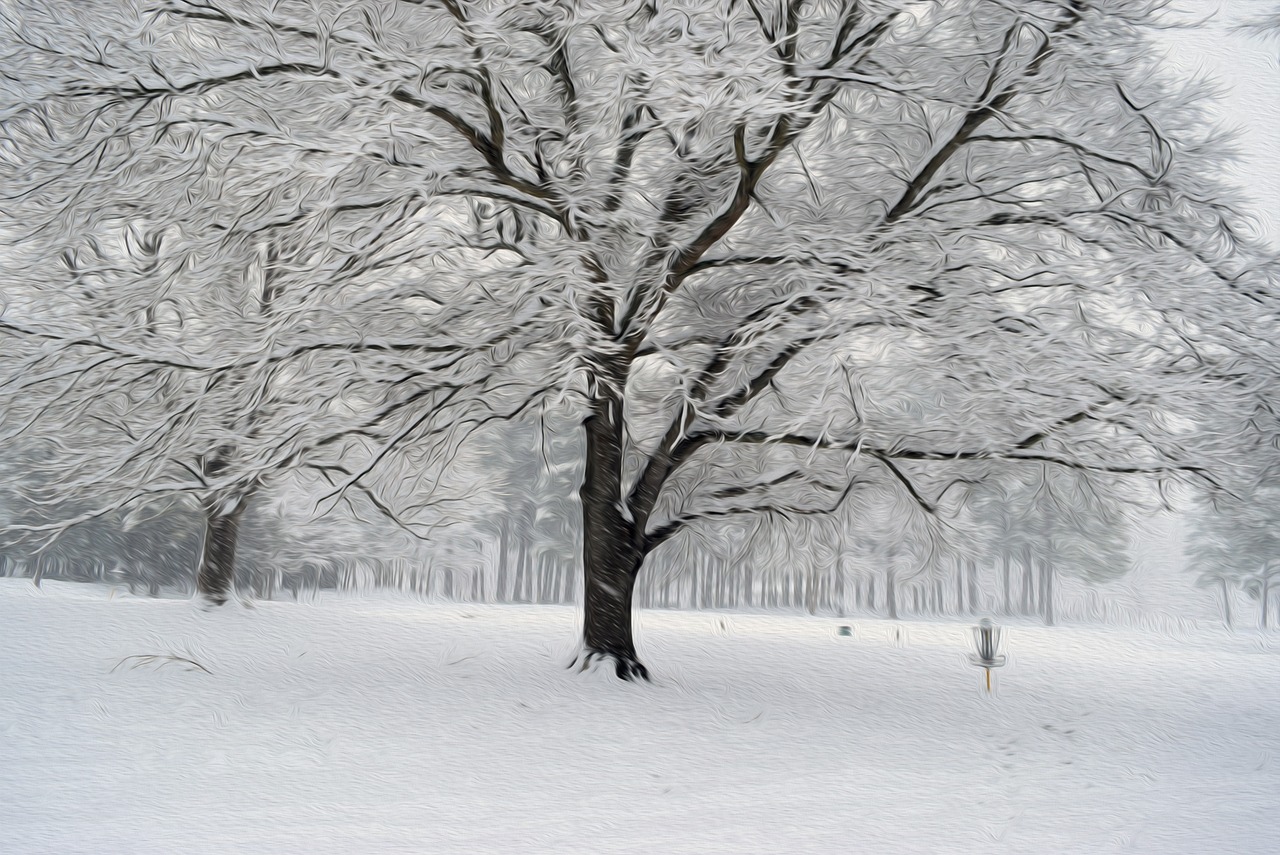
[{"x": 388, "y": 725}]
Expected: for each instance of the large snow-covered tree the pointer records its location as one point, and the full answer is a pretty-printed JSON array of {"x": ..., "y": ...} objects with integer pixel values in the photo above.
[
  {"x": 770, "y": 252},
  {"x": 172, "y": 351},
  {"x": 187, "y": 380}
]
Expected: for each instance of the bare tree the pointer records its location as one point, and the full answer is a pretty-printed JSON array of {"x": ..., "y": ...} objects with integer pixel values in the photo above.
[{"x": 769, "y": 252}]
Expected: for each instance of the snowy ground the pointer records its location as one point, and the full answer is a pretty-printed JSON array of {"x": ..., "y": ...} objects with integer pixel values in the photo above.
[{"x": 386, "y": 725}]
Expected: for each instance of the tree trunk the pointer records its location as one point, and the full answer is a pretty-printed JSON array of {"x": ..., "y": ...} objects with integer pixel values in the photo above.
[
  {"x": 1028, "y": 583},
  {"x": 1046, "y": 592},
  {"x": 1265, "y": 596},
  {"x": 1028, "y": 590},
  {"x": 611, "y": 555},
  {"x": 839, "y": 594},
  {"x": 973, "y": 587},
  {"x": 216, "y": 574},
  {"x": 524, "y": 581},
  {"x": 695, "y": 583},
  {"x": 1226, "y": 603},
  {"x": 890, "y": 595},
  {"x": 504, "y": 559},
  {"x": 1007, "y": 566}
]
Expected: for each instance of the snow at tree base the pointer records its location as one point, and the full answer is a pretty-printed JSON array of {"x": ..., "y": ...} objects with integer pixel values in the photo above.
[{"x": 385, "y": 725}]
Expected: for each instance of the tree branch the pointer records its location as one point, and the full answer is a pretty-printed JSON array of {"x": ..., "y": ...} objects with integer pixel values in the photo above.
[
  {"x": 668, "y": 530},
  {"x": 989, "y": 103}
]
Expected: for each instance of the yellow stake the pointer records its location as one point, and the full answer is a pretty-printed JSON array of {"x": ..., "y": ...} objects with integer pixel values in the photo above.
[{"x": 988, "y": 670}]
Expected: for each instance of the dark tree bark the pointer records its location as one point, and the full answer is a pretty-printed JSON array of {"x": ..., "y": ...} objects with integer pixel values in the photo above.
[
  {"x": 612, "y": 552},
  {"x": 216, "y": 573}
]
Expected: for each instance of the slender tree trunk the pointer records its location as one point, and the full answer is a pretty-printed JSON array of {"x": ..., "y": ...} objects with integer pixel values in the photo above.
[
  {"x": 695, "y": 591},
  {"x": 546, "y": 575},
  {"x": 524, "y": 587},
  {"x": 539, "y": 579},
  {"x": 504, "y": 559},
  {"x": 1028, "y": 585},
  {"x": 973, "y": 587},
  {"x": 1265, "y": 596},
  {"x": 554, "y": 584},
  {"x": 734, "y": 584},
  {"x": 611, "y": 555},
  {"x": 890, "y": 594},
  {"x": 1046, "y": 592},
  {"x": 1007, "y": 569},
  {"x": 839, "y": 593},
  {"x": 216, "y": 573},
  {"x": 1226, "y": 603}
]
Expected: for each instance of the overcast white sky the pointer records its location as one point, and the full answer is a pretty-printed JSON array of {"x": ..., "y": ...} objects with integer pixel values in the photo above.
[{"x": 1249, "y": 67}]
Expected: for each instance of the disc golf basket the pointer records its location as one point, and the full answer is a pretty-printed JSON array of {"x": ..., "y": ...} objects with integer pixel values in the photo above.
[{"x": 986, "y": 640}]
